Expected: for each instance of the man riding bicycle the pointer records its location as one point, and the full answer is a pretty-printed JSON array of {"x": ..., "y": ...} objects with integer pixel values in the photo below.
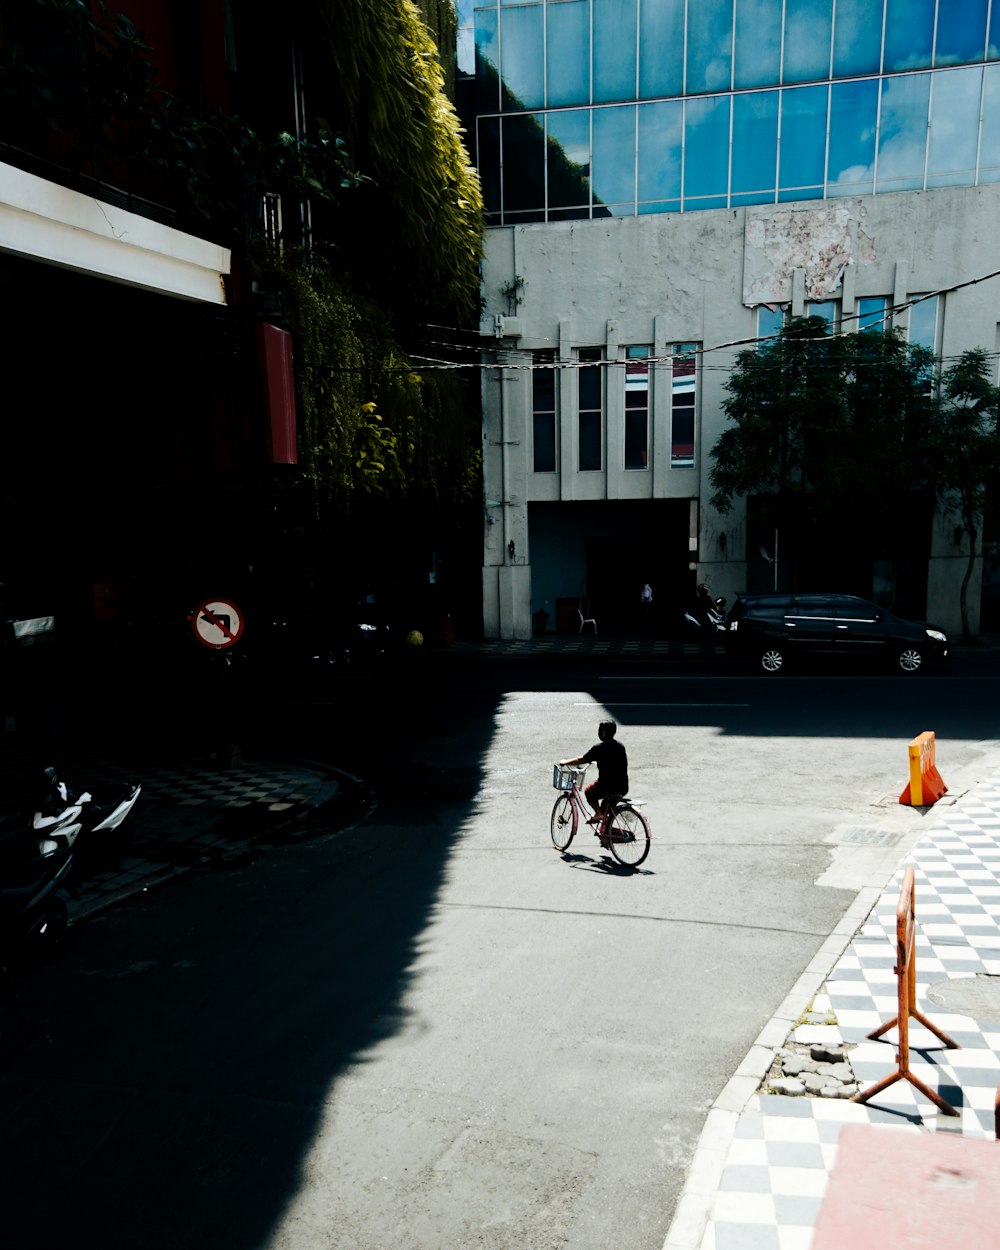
[{"x": 612, "y": 767}]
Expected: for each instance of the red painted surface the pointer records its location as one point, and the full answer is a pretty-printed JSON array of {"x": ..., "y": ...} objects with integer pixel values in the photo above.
[
  {"x": 895, "y": 1190},
  {"x": 274, "y": 353}
]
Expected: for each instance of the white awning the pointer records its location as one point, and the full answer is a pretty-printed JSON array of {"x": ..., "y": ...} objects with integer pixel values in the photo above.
[{"x": 44, "y": 221}]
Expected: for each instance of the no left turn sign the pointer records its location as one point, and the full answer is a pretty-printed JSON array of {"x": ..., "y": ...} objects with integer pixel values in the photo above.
[{"x": 217, "y": 623}]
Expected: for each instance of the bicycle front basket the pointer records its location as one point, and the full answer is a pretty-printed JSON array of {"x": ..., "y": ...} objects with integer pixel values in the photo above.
[{"x": 563, "y": 775}]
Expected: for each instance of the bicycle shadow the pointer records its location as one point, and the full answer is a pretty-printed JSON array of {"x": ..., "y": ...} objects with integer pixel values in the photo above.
[{"x": 605, "y": 864}]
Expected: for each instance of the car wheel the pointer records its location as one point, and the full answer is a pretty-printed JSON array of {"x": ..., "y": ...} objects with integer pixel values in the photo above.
[
  {"x": 910, "y": 659},
  {"x": 772, "y": 659}
]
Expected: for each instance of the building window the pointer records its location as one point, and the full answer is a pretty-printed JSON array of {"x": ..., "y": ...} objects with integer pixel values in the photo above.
[
  {"x": 637, "y": 407},
  {"x": 829, "y": 310},
  {"x": 873, "y": 313},
  {"x": 543, "y": 411},
  {"x": 684, "y": 389},
  {"x": 591, "y": 409},
  {"x": 923, "y": 322},
  {"x": 683, "y": 105},
  {"x": 769, "y": 324}
]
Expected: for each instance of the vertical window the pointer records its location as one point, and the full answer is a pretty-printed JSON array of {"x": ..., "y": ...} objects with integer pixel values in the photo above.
[
  {"x": 961, "y": 32},
  {"x": 684, "y": 387},
  {"x": 923, "y": 322},
  {"x": 543, "y": 411},
  {"x": 637, "y": 407},
  {"x": 757, "y": 44},
  {"x": 808, "y": 27},
  {"x": 857, "y": 38},
  {"x": 661, "y": 48},
  {"x": 567, "y": 153},
  {"x": 803, "y": 143},
  {"x": 706, "y": 160},
  {"x": 591, "y": 409},
  {"x": 754, "y": 148},
  {"x": 989, "y": 151},
  {"x": 613, "y": 172},
  {"x": 522, "y": 66},
  {"x": 873, "y": 313},
  {"x": 523, "y": 165},
  {"x": 488, "y": 57},
  {"x": 902, "y": 145},
  {"x": 909, "y": 34},
  {"x": 661, "y": 132},
  {"x": 709, "y": 46},
  {"x": 568, "y": 53},
  {"x": 614, "y": 50},
  {"x": 955, "y": 103},
  {"x": 851, "y": 159},
  {"x": 829, "y": 310},
  {"x": 769, "y": 323},
  {"x": 488, "y": 160}
]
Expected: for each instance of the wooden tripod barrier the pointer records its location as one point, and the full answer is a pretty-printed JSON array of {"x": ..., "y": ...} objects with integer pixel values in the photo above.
[{"x": 906, "y": 976}]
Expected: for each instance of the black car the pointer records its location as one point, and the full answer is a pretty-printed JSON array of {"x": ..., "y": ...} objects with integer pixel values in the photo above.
[{"x": 773, "y": 629}]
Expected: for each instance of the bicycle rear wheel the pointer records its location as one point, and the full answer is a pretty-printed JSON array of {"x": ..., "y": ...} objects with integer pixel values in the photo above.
[
  {"x": 628, "y": 835},
  {"x": 563, "y": 823}
]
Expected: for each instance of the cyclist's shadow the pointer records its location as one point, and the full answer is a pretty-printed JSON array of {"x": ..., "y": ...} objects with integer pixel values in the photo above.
[{"x": 606, "y": 864}]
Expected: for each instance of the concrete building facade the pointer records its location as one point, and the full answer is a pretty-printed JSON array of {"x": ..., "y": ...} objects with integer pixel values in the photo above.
[{"x": 666, "y": 182}]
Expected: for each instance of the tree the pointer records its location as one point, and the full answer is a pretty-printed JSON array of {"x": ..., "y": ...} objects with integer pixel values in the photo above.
[
  {"x": 821, "y": 423},
  {"x": 968, "y": 451}
]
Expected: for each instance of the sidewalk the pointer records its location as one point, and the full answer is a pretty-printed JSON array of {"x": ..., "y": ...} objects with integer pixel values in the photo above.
[
  {"x": 588, "y": 646},
  {"x": 764, "y": 1160},
  {"x": 646, "y": 648},
  {"x": 192, "y": 812}
]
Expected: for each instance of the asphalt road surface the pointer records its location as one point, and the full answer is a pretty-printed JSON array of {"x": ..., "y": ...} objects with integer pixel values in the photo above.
[{"x": 434, "y": 1030}]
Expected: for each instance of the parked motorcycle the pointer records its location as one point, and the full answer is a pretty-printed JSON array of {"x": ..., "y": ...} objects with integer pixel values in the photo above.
[
  {"x": 709, "y": 625},
  {"x": 63, "y": 816},
  {"x": 33, "y": 913}
]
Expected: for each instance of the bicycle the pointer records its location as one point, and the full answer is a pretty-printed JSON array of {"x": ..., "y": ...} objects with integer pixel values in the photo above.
[{"x": 621, "y": 828}]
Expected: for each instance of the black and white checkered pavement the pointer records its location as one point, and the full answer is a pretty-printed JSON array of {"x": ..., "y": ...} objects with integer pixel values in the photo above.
[
  {"x": 764, "y": 1159},
  {"x": 184, "y": 783},
  {"x": 191, "y": 811}
]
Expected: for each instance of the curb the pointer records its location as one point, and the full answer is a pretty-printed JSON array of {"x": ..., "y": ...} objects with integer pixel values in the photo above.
[{"x": 694, "y": 1208}]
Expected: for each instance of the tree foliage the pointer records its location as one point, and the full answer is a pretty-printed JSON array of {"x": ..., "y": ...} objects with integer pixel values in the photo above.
[
  {"x": 830, "y": 438},
  {"x": 80, "y": 75},
  {"x": 86, "y": 75},
  {"x": 824, "y": 417},
  {"x": 421, "y": 219},
  {"x": 967, "y": 452},
  {"x": 371, "y": 425}
]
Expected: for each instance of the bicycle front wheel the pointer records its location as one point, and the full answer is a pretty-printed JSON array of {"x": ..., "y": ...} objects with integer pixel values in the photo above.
[
  {"x": 563, "y": 823},
  {"x": 628, "y": 836}
]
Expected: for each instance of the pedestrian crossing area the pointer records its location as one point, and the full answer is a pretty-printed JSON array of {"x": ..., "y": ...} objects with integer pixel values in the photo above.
[{"x": 772, "y": 1172}]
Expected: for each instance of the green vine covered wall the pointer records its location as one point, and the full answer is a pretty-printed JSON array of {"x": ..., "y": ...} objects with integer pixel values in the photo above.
[
  {"x": 405, "y": 250},
  {"x": 397, "y": 222},
  {"x": 420, "y": 218}
]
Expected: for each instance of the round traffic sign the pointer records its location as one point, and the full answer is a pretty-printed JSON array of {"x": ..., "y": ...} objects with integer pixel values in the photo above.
[{"x": 217, "y": 623}]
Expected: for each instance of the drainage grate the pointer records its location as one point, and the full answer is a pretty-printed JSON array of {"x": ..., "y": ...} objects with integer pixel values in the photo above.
[{"x": 864, "y": 835}]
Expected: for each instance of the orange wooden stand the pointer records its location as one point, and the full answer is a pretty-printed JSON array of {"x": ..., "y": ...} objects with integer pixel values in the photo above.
[
  {"x": 925, "y": 785},
  {"x": 906, "y": 976}
]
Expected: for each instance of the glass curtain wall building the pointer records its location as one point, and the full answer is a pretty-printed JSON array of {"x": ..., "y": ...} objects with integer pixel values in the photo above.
[{"x": 598, "y": 108}]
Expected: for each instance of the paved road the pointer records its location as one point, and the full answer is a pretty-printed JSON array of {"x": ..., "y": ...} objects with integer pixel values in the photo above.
[{"x": 435, "y": 1029}]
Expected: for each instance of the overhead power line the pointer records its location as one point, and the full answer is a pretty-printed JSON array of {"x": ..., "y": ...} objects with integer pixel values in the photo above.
[{"x": 428, "y": 363}]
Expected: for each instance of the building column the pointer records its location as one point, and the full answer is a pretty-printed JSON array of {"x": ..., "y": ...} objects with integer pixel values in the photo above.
[{"x": 506, "y": 446}]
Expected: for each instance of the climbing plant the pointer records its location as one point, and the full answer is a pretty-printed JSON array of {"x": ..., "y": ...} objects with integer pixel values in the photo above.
[
  {"x": 396, "y": 210},
  {"x": 421, "y": 218},
  {"x": 371, "y": 425}
]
